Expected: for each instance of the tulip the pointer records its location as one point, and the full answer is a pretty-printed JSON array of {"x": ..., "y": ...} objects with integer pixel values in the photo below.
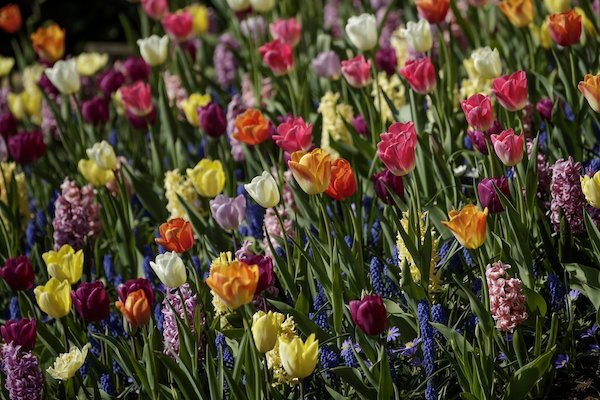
[
  {"x": 265, "y": 329},
  {"x": 200, "y": 17},
  {"x": 64, "y": 264},
  {"x": 519, "y": 12},
  {"x": 312, "y": 170},
  {"x": 8, "y": 124},
  {"x": 298, "y": 358},
  {"x": 264, "y": 190},
  {"x": 10, "y": 18},
  {"x": 369, "y": 314},
  {"x": 420, "y": 74},
  {"x": 91, "y": 301},
  {"x": 278, "y": 56},
  {"x": 294, "y": 135},
  {"x": 18, "y": 273},
  {"x": 54, "y": 298},
  {"x": 170, "y": 269},
  {"x": 110, "y": 81},
  {"x": 385, "y": 181},
  {"x": 262, "y": 6},
  {"x": 545, "y": 107},
  {"x": 478, "y": 111},
  {"x": 233, "y": 281},
  {"x": 327, "y": 65},
  {"x": 64, "y": 76},
  {"x": 228, "y": 212},
  {"x": 386, "y": 60},
  {"x": 103, "y": 155},
  {"x": 590, "y": 88},
  {"x": 357, "y": 71},
  {"x": 94, "y": 174},
  {"x": 179, "y": 25},
  {"x": 565, "y": 28},
  {"x": 191, "y": 105},
  {"x": 207, "y": 177},
  {"x": 211, "y": 120},
  {"x": 136, "y": 69},
  {"x": 433, "y": 11},
  {"x": 251, "y": 127},
  {"x": 95, "y": 111},
  {"x": 137, "y": 99},
  {"x": 66, "y": 365},
  {"x": 26, "y": 147},
  {"x": 154, "y": 49},
  {"x": 265, "y": 269},
  {"x": 90, "y": 63},
  {"x": 359, "y": 123},
  {"x": 342, "y": 184},
  {"x": 468, "y": 226},
  {"x": 132, "y": 285},
  {"x": 488, "y": 197},
  {"x": 176, "y": 235},
  {"x": 21, "y": 333},
  {"x": 49, "y": 42},
  {"x": 511, "y": 90},
  {"x": 6, "y": 65},
  {"x": 487, "y": 62},
  {"x": 287, "y": 30},
  {"x": 362, "y": 31},
  {"x": 418, "y": 36},
  {"x": 253, "y": 28},
  {"x": 479, "y": 140},
  {"x": 136, "y": 308},
  {"x": 397, "y": 148},
  {"x": 238, "y": 5},
  {"x": 155, "y": 9},
  {"x": 557, "y": 6},
  {"x": 590, "y": 186},
  {"x": 508, "y": 147}
]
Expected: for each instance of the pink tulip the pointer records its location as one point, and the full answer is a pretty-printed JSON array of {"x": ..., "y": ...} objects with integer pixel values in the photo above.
[
  {"x": 357, "y": 71},
  {"x": 137, "y": 99},
  {"x": 287, "y": 30},
  {"x": 511, "y": 90},
  {"x": 508, "y": 147},
  {"x": 478, "y": 111},
  {"x": 155, "y": 9},
  {"x": 420, "y": 74},
  {"x": 179, "y": 25},
  {"x": 278, "y": 56},
  {"x": 397, "y": 149},
  {"x": 294, "y": 135}
]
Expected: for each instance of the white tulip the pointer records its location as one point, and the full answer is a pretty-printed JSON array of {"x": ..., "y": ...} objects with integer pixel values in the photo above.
[
  {"x": 238, "y": 5},
  {"x": 262, "y": 6},
  {"x": 170, "y": 269},
  {"x": 154, "y": 49},
  {"x": 264, "y": 190},
  {"x": 64, "y": 76},
  {"x": 487, "y": 62},
  {"x": 103, "y": 154},
  {"x": 362, "y": 31},
  {"x": 418, "y": 35}
]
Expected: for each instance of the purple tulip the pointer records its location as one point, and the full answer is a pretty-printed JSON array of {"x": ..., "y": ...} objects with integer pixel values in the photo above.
[
  {"x": 212, "y": 120},
  {"x": 384, "y": 180},
  {"x": 26, "y": 147},
  {"x": 327, "y": 65},
  {"x": 47, "y": 86},
  {"x": 265, "y": 269},
  {"x": 228, "y": 212},
  {"x": 136, "y": 69},
  {"x": 22, "y": 333},
  {"x": 95, "y": 111},
  {"x": 545, "y": 107},
  {"x": 141, "y": 122},
  {"x": 369, "y": 314},
  {"x": 488, "y": 196},
  {"x": 132, "y": 285},
  {"x": 110, "y": 81},
  {"x": 360, "y": 125},
  {"x": 91, "y": 301},
  {"x": 18, "y": 273},
  {"x": 496, "y": 129},
  {"x": 8, "y": 124},
  {"x": 479, "y": 141},
  {"x": 385, "y": 60}
]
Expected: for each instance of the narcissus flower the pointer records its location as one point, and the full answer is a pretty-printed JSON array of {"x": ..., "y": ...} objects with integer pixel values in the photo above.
[
  {"x": 278, "y": 56},
  {"x": 420, "y": 74},
  {"x": 233, "y": 281},
  {"x": 176, "y": 235},
  {"x": 565, "y": 28},
  {"x": 369, "y": 314},
  {"x": 65, "y": 264},
  {"x": 511, "y": 90},
  {"x": 362, "y": 31},
  {"x": 66, "y": 365},
  {"x": 590, "y": 186},
  {"x": 312, "y": 170},
  {"x": 264, "y": 190},
  {"x": 136, "y": 308},
  {"x": 357, "y": 71},
  {"x": 251, "y": 127},
  {"x": 64, "y": 76},
  {"x": 468, "y": 226},
  {"x": 10, "y": 18},
  {"x": 154, "y": 49},
  {"x": 299, "y": 358},
  {"x": 508, "y": 147},
  {"x": 49, "y": 42},
  {"x": 519, "y": 12},
  {"x": 433, "y": 11},
  {"x": 54, "y": 298},
  {"x": 590, "y": 88},
  {"x": 208, "y": 177},
  {"x": 170, "y": 269},
  {"x": 265, "y": 329},
  {"x": 343, "y": 182},
  {"x": 397, "y": 148}
]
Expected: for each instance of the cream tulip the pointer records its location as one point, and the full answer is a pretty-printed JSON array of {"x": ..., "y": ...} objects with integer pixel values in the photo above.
[
  {"x": 362, "y": 31},
  {"x": 487, "y": 62},
  {"x": 262, "y": 6},
  {"x": 238, "y": 5},
  {"x": 64, "y": 76},
  {"x": 154, "y": 49},
  {"x": 591, "y": 189},
  {"x": 103, "y": 154},
  {"x": 66, "y": 365},
  {"x": 418, "y": 35},
  {"x": 170, "y": 269},
  {"x": 264, "y": 190},
  {"x": 265, "y": 329},
  {"x": 90, "y": 63}
]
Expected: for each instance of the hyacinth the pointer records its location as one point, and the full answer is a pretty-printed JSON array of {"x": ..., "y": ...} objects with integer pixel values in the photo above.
[
  {"x": 557, "y": 293},
  {"x": 329, "y": 359},
  {"x": 266, "y": 91},
  {"x": 177, "y": 185},
  {"x": 48, "y": 124},
  {"x": 392, "y": 22},
  {"x": 394, "y": 90},
  {"x": 273, "y": 228},
  {"x": 24, "y": 379},
  {"x": 507, "y": 303},
  {"x": 76, "y": 215},
  {"x": 9, "y": 172},
  {"x": 427, "y": 338},
  {"x": 567, "y": 195},
  {"x": 224, "y": 60},
  {"x": 319, "y": 316},
  {"x": 235, "y": 107},
  {"x": 331, "y": 18},
  {"x": 172, "y": 307},
  {"x": 544, "y": 176},
  {"x": 176, "y": 93},
  {"x": 334, "y": 115},
  {"x": 288, "y": 331}
]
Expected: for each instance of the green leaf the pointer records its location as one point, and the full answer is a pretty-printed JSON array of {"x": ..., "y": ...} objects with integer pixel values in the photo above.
[
  {"x": 149, "y": 199},
  {"x": 525, "y": 378},
  {"x": 485, "y": 319},
  {"x": 587, "y": 280},
  {"x": 593, "y": 234},
  {"x": 302, "y": 321},
  {"x": 535, "y": 302},
  {"x": 353, "y": 378}
]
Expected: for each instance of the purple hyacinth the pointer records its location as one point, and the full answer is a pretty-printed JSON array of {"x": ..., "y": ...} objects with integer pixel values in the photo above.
[
  {"x": 224, "y": 60},
  {"x": 329, "y": 359},
  {"x": 567, "y": 195},
  {"x": 427, "y": 338},
  {"x": 557, "y": 293},
  {"x": 23, "y": 375},
  {"x": 332, "y": 18},
  {"x": 319, "y": 316},
  {"x": 376, "y": 271},
  {"x": 171, "y": 305}
]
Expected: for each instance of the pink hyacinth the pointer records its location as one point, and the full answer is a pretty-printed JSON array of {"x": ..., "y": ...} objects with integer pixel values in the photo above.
[
  {"x": 235, "y": 107},
  {"x": 273, "y": 227},
  {"x": 567, "y": 195},
  {"x": 171, "y": 307},
  {"x": 24, "y": 379},
  {"x": 507, "y": 303},
  {"x": 176, "y": 93},
  {"x": 544, "y": 176}
]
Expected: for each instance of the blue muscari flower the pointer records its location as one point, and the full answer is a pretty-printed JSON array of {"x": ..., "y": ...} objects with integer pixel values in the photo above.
[
  {"x": 85, "y": 369},
  {"x": 439, "y": 317},
  {"x": 467, "y": 142},
  {"x": 147, "y": 268},
  {"x": 329, "y": 359},
  {"x": 593, "y": 166},
  {"x": 349, "y": 240},
  {"x": 114, "y": 324},
  {"x": 510, "y": 174},
  {"x": 568, "y": 111},
  {"x": 376, "y": 271},
  {"x": 109, "y": 268},
  {"x": 40, "y": 220},
  {"x": 574, "y": 294},
  {"x": 117, "y": 367},
  {"x": 367, "y": 204},
  {"x": 30, "y": 236},
  {"x": 221, "y": 343},
  {"x": 454, "y": 263},
  {"x": 53, "y": 196},
  {"x": 106, "y": 385},
  {"x": 557, "y": 293},
  {"x": 468, "y": 259},
  {"x": 15, "y": 312},
  {"x": 239, "y": 174},
  {"x": 376, "y": 232},
  {"x": 543, "y": 138},
  {"x": 255, "y": 216},
  {"x": 94, "y": 344},
  {"x": 280, "y": 251},
  {"x": 395, "y": 254},
  {"x": 197, "y": 264},
  {"x": 159, "y": 317},
  {"x": 113, "y": 137},
  {"x": 319, "y": 316},
  {"x": 347, "y": 353},
  {"x": 390, "y": 288},
  {"x": 427, "y": 336},
  {"x": 477, "y": 286}
]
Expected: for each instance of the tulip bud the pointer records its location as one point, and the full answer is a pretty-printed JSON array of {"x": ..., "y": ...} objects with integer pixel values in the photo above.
[
  {"x": 294, "y": 135},
  {"x": 179, "y": 25},
  {"x": 64, "y": 264},
  {"x": 136, "y": 308},
  {"x": 362, "y": 31},
  {"x": 590, "y": 88},
  {"x": 384, "y": 181},
  {"x": 156, "y": 9},
  {"x": 238, "y": 5},
  {"x": 251, "y": 127},
  {"x": 590, "y": 186},
  {"x": 479, "y": 140},
  {"x": 342, "y": 184},
  {"x": 265, "y": 269},
  {"x": 488, "y": 197},
  {"x": 136, "y": 69},
  {"x": 327, "y": 65},
  {"x": 95, "y": 175},
  {"x": 557, "y": 6},
  {"x": 369, "y": 314},
  {"x": 545, "y": 107},
  {"x": 286, "y": 30},
  {"x": 64, "y": 76},
  {"x": 264, "y": 190},
  {"x": 26, "y": 147},
  {"x": 478, "y": 111},
  {"x": 10, "y": 18},
  {"x": 397, "y": 148},
  {"x": 154, "y": 49},
  {"x": 110, "y": 81},
  {"x": 386, "y": 61},
  {"x": 468, "y": 226},
  {"x": 6, "y": 65},
  {"x": 211, "y": 120},
  {"x": 91, "y": 301},
  {"x": 90, "y": 63},
  {"x": 137, "y": 99},
  {"x": 265, "y": 329},
  {"x": 8, "y": 124},
  {"x": 520, "y": 13},
  {"x": 49, "y": 42},
  {"x": 170, "y": 269},
  {"x": 262, "y": 6},
  {"x": 208, "y": 177},
  {"x": 278, "y": 56},
  {"x": 18, "y": 273},
  {"x": 66, "y": 365},
  {"x": 418, "y": 35},
  {"x": 191, "y": 106},
  {"x": 54, "y": 298},
  {"x": 487, "y": 62},
  {"x": 228, "y": 212},
  {"x": 312, "y": 170},
  {"x": 511, "y": 90},
  {"x": 433, "y": 11},
  {"x": 565, "y": 28},
  {"x": 508, "y": 147},
  {"x": 21, "y": 333},
  {"x": 233, "y": 281},
  {"x": 132, "y": 285}
]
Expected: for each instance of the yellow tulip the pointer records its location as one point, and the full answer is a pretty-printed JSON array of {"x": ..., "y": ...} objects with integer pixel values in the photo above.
[
  {"x": 519, "y": 12},
  {"x": 32, "y": 101},
  {"x": 6, "y": 64},
  {"x": 207, "y": 177},
  {"x": 66, "y": 365},
  {"x": 311, "y": 170},
  {"x": 468, "y": 226},
  {"x": 200, "y": 18},
  {"x": 265, "y": 329},
  {"x": 64, "y": 264},
  {"x": 587, "y": 24},
  {"x": 103, "y": 154},
  {"x": 545, "y": 37},
  {"x": 94, "y": 174},
  {"x": 90, "y": 63},
  {"x": 54, "y": 298},
  {"x": 191, "y": 104},
  {"x": 591, "y": 189},
  {"x": 557, "y": 6},
  {"x": 16, "y": 105},
  {"x": 298, "y": 358}
]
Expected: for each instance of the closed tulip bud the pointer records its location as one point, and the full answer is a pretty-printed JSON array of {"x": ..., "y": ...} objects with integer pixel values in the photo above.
[
  {"x": 478, "y": 111},
  {"x": 66, "y": 365},
  {"x": 64, "y": 264},
  {"x": 327, "y": 65},
  {"x": 64, "y": 76},
  {"x": 468, "y": 226},
  {"x": 176, "y": 235},
  {"x": 386, "y": 60},
  {"x": 228, "y": 212},
  {"x": 487, "y": 62},
  {"x": 557, "y": 6},
  {"x": 233, "y": 281},
  {"x": 342, "y": 184},
  {"x": 265, "y": 329},
  {"x": 251, "y": 127},
  {"x": 94, "y": 174},
  {"x": 21, "y": 333},
  {"x": 103, "y": 154},
  {"x": 170, "y": 269},
  {"x": 54, "y": 298},
  {"x": 132, "y": 285},
  {"x": 137, "y": 99},
  {"x": 26, "y": 147},
  {"x": 154, "y": 49},
  {"x": 287, "y": 30},
  {"x": 207, "y": 177},
  {"x": 18, "y": 273},
  {"x": 238, "y": 5},
  {"x": 6, "y": 65},
  {"x": 433, "y": 11},
  {"x": 590, "y": 88},
  {"x": 298, "y": 358},
  {"x": 179, "y": 25},
  {"x": 397, "y": 148},
  {"x": 265, "y": 269},
  {"x": 262, "y": 6},
  {"x": 362, "y": 31},
  {"x": 264, "y": 190},
  {"x": 369, "y": 314},
  {"x": 211, "y": 119},
  {"x": 278, "y": 56},
  {"x": 545, "y": 107},
  {"x": 384, "y": 181},
  {"x": 565, "y": 28},
  {"x": 312, "y": 171},
  {"x": 418, "y": 36},
  {"x": 590, "y": 186},
  {"x": 511, "y": 90},
  {"x": 49, "y": 42},
  {"x": 90, "y": 63},
  {"x": 294, "y": 135},
  {"x": 357, "y": 71},
  {"x": 519, "y": 12},
  {"x": 91, "y": 301},
  {"x": 488, "y": 197},
  {"x": 508, "y": 147},
  {"x": 10, "y": 18},
  {"x": 95, "y": 111},
  {"x": 136, "y": 308},
  {"x": 155, "y": 9},
  {"x": 191, "y": 105},
  {"x": 420, "y": 74}
]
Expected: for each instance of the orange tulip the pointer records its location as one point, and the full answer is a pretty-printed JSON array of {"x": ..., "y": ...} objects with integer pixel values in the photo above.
[
  {"x": 311, "y": 170},
  {"x": 590, "y": 88},
  {"x": 343, "y": 182},
  {"x": 10, "y": 18},
  {"x": 565, "y": 28},
  {"x": 519, "y": 12},
  {"x": 176, "y": 235},
  {"x": 136, "y": 308},
  {"x": 49, "y": 42},
  {"x": 468, "y": 226},
  {"x": 233, "y": 281},
  {"x": 251, "y": 127},
  {"x": 434, "y": 11}
]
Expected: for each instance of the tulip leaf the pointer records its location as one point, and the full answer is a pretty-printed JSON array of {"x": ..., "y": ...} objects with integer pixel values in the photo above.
[
  {"x": 149, "y": 199},
  {"x": 185, "y": 382},
  {"x": 485, "y": 319},
  {"x": 535, "y": 302},
  {"x": 586, "y": 280},
  {"x": 525, "y": 378},
  {"x": 386, "y": 387},
  {"x": 353, "y": 378},
  {"x": 302, "y": 321},
  {"x": 593, "y": 234}
]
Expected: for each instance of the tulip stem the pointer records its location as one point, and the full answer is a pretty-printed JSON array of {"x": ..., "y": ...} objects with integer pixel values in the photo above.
[
  {"x": 63, "y": 323},
  {"x": 301, "y": 388},
  {"x": 268, "y": 383}
]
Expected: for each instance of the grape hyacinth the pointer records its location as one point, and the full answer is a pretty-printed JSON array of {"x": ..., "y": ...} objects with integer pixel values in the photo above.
[
  {"x": 23, "y": 375},
  {"x": 319, "y": 316},
  {"x": 427, "y": 338},
  {"x": 172, "y": 306},
  {"x": 507, "y": 303},
  {"x": 377, "y": 278},
  {"x": 329, "y": 359},
  {"x": 557, "y": 293}
]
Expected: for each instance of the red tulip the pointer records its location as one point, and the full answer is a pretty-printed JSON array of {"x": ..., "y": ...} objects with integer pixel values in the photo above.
[
  {"x": 420, "y": 74},
  {"x": 397, "y": 149},
  {"x": 278, "y": 56},
  {"x": 357, "y": 71},
  {"x": 478, "y": 111},
  {"x": 511, "y": 90}
]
